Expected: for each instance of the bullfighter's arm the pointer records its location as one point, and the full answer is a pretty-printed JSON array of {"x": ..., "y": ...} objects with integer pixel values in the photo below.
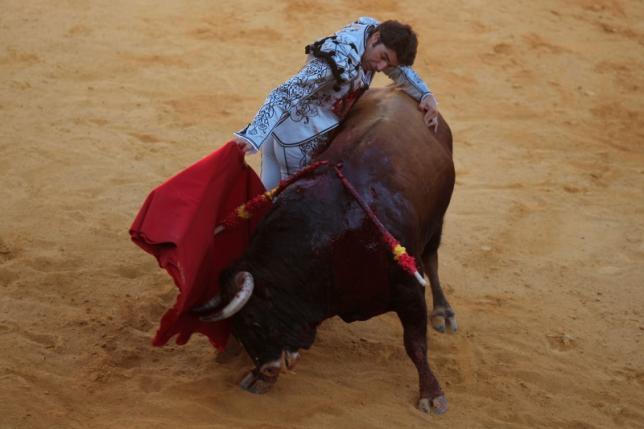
[
  {"x": 413, "y": 85},
  {"x": 409, "y": 81},
  {"x": 314, "y": 76}
]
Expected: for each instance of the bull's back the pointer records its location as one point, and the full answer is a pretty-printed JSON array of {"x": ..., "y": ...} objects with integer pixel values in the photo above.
[{"x": 400, "y": 167}]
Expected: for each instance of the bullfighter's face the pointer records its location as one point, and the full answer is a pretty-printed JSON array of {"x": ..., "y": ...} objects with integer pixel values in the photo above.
[{"x": 377, "y": 56}]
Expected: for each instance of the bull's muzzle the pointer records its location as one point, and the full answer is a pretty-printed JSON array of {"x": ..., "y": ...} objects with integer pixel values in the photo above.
[{"x": 245, "y": 285}]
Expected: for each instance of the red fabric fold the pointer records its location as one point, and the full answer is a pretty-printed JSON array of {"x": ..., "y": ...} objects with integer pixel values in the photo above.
[{"x": 176, "y": 224}]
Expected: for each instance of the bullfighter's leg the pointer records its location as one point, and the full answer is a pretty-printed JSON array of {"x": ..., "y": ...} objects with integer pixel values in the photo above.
[
  {"x": 412, "y": 311},
  {"x": 442, "y": 312},
  {"x": 270, "y": 170},
  {"x": 294, "y": 157}
]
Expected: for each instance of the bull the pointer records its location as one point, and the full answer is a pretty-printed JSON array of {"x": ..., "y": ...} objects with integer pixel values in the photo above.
[{"x": 316, "y": 254}]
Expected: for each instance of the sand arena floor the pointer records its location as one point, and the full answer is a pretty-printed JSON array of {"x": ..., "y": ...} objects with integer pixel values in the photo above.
[{"x": 542, "y": 256}]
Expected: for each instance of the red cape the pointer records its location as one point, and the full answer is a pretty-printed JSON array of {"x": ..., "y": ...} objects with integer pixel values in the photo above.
[{"x": 176, "y": 225}]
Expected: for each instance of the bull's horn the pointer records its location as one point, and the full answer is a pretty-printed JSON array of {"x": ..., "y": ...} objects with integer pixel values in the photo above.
[
  {"x": 207, "y": 307},
  {"x": 239, "y": 300}
]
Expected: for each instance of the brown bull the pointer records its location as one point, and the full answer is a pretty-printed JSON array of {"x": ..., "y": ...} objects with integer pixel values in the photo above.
[{"x": 317, "y": 255}]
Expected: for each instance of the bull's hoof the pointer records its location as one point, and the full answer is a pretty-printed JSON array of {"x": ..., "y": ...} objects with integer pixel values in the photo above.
[
  {"x": 436, "y": 406},
  {"x": 256, "y": 383},
  {"x": 290, "y": 359},
  {"x": 442, "y": 316}
]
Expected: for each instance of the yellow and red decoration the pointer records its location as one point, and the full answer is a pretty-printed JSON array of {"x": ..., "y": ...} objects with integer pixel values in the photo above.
[{"x": 249, "y": 209}]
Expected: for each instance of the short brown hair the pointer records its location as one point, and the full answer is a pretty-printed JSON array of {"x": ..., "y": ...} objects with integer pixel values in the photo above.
[{"x": 401, "y": 39}]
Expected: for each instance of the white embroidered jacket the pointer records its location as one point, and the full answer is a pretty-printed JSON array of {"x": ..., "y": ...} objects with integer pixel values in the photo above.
[{"x": 301, "y": 108}]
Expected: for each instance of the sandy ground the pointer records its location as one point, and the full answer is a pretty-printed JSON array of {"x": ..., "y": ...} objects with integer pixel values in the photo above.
[{"x": 543, "y": 252}]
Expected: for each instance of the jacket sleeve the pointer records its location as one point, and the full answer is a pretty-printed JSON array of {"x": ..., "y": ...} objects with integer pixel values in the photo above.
[
  {"x": 314, "y": 76},
  {"x": 409, "y": 81}
]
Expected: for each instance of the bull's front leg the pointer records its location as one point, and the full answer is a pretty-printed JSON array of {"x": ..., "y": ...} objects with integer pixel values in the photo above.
[
  {"x": 261, "y": 379},
  {"x": 412, "y": 311}
]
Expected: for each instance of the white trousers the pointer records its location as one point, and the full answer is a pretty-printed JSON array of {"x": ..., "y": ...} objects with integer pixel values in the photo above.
[{"x": 279, "y": 161}]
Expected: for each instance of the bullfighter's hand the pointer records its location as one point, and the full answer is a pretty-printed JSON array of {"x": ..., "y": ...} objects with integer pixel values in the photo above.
[
  {"x": 429, "y": 105},
  {"x": 243, "y": 145}
]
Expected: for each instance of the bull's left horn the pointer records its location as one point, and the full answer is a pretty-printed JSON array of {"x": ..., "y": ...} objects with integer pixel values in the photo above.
[{"x": 239, "y": 300}]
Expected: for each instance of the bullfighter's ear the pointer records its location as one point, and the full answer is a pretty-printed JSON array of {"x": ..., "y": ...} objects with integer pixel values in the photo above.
[{"x": 375, "y": 39}]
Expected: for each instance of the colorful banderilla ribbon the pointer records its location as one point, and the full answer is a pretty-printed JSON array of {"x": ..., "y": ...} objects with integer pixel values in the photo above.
[
  {"x": 402, "y": 258},
  {"x": 249, "y": 209}
]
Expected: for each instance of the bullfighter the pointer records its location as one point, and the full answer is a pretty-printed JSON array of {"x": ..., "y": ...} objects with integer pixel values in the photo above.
[{"x": 298, "y": 118}]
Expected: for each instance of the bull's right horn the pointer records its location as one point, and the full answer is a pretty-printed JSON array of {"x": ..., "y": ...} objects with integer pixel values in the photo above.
[{"x": 239, "y": 300}]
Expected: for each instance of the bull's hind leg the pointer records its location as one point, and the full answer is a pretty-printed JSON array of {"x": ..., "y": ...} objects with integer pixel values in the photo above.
[
  {"x": 412, "y": 310},
  {"x": 442, "y": 312}
]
